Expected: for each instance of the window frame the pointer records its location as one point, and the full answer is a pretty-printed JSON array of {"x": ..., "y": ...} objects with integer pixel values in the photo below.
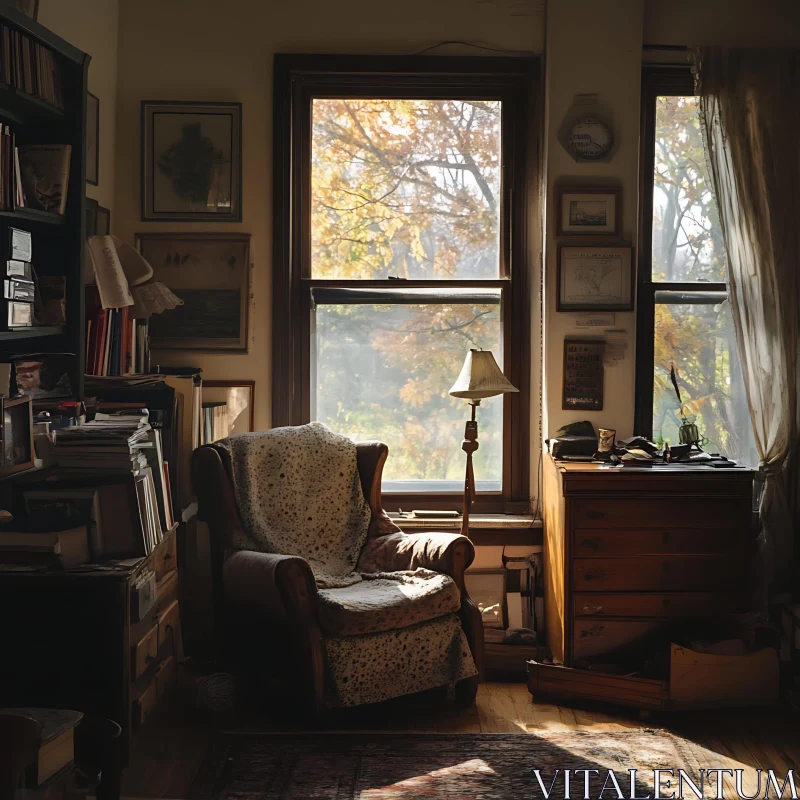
[
  {"x": 656, "y": 81},
  {"x": 514, "y": 81}
]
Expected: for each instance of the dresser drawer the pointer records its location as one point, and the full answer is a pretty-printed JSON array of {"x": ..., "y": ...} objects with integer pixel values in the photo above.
[
  {"x": 168, "y": 624},
  {"x": 145, "y": 705},
  {"x": 655, "y": 605},
  {"x": 646, "y": 541},
  {"x": 145, "y": 652},
  {"x": 661, "y": 512},
  {"x": 593, "y": 637},
  {"x": 654, "y": 573}
]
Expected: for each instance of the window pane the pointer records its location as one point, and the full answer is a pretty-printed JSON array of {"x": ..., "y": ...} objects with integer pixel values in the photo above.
[
  {"x": 687, "y": 238},
  {"x": 699, "y": 340},
  {"x": 383, "y": 371},
  {"x": 407, "y": 188}
]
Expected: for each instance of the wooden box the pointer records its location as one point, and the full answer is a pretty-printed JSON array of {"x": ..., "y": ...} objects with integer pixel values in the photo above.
[{"x": 556, "y": 683}]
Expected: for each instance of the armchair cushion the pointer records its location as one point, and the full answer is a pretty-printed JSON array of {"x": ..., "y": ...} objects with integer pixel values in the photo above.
[
  {"x": 387, "y": 601},
  {"x": 299, "y": 492},
  {"x": 404, "y": 551}
]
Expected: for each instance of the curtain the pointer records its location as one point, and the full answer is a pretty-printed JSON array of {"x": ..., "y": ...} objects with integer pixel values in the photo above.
[{"x": 750, "y": 116}]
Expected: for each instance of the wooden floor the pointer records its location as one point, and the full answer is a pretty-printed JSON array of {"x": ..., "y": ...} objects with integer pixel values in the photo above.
[{"x": 169, "y": 753}]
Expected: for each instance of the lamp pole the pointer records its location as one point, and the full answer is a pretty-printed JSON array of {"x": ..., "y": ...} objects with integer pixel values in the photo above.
[{"x": 469, "y": 446}]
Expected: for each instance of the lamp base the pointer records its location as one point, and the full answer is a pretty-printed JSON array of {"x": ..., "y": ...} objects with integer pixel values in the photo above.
[{"x": 469, "y": 446}]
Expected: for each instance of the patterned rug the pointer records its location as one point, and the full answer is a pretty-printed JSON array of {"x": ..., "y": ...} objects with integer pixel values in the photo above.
[{"x": 387, "y": 766}]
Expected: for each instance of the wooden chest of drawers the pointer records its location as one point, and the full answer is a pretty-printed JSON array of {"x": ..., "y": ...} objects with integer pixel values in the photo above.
[
  {"x": 73, "y": 640},
  {"x": 629, "y": 551}
]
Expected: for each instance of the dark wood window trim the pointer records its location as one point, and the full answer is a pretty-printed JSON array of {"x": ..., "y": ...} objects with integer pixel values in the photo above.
[
  {"x": 516, "y": 81},
  {"x": 656, "y": 81}
]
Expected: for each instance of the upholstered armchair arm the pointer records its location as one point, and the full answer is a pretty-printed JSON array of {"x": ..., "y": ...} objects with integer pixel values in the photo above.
[
  {"x": 449, "y": 553},
  {"x": 280, "y": 587}
]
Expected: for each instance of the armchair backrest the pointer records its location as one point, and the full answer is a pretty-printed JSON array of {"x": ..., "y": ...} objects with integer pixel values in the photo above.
[{"x": 213, "y": 487}]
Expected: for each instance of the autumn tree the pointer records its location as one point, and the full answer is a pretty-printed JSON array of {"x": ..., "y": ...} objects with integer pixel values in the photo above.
[{"x": 406, "y": 189}]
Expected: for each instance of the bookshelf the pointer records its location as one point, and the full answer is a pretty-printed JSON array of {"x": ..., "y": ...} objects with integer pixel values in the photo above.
[{"x": 58, "y": 241}]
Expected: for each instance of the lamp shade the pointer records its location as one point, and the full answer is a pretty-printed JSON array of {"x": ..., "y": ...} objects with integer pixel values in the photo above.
[{"x": 480, "y": 377}]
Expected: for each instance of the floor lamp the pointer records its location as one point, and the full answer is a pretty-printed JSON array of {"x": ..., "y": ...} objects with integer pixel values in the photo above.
[{"x": 480, "y": 378}]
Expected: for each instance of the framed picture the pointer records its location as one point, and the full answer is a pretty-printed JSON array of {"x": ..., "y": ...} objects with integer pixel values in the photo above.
[
  {"x": 595, "y": 278},
  {"x": 582, "y": 385},
  {"x": 17, "y": 435},
  {"x": 103, "y": 223},
  {"x": 210, "y": 272},
  {"x": 92, "y": 139},
  {"x": 487, "y": 588},
  {"x": 229, "y": 408},
  {"x": 30, "y": 8},
  {"x": 588, "y": 210},
  {"x": 191, "y": 162}
]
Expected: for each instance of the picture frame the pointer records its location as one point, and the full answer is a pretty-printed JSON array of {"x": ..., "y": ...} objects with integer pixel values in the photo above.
[
  {"x": 487, "y": 588},
  {"x": 16, "y": 426},
  {"x": 92, "y": 139},
  {"x": 582, "y": 378},
  {"x": 594, "y": 277},
  {"x": 191, "y": 161},
  {"x": 103, "y": 222},
  {"x": 238, "y": 399},
  {"x": 30, "y": 8},
  {"x": 588, "y": 210},
  {"x": 210, "y": 272}
]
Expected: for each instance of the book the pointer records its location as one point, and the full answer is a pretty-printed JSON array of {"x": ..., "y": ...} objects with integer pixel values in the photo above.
[
  {"x": 67, "y": 549},
  {"x": 57, "y": 746},
  {"x": 45, "y": 175},
  {"x": 29, "y": 66}
]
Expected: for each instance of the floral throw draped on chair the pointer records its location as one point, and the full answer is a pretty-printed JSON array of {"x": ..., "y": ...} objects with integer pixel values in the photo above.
[{"x": 750, "y": 113}]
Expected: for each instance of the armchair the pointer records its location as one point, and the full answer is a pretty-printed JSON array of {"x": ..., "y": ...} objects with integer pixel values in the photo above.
[{"x": 407, "y": 624}]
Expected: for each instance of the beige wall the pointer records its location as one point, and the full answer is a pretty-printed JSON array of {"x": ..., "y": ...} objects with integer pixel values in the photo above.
[
  {"x": 92, "y": 26},
  {"x": 207, "y": 50}
]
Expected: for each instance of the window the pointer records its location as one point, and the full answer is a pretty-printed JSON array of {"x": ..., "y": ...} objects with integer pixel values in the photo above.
[
  {"x": 400, "y": 229},
  {"x": 684, "y": 316}
]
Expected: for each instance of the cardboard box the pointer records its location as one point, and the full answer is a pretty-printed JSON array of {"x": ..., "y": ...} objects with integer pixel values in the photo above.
[{"x": 703, "y": 680}]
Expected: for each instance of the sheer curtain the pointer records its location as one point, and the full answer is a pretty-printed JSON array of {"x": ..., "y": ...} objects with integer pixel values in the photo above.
[{"x": 750, "y": 112}]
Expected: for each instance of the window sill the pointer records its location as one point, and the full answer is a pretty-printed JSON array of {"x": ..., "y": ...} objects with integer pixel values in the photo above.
[{"x": 484, "y": 529}]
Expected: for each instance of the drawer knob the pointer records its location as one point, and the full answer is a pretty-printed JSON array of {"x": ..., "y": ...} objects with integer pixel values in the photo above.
[
  {"x": 590, "y": 608},
  {"x": 591, "y": 544},
  {"x": 595, "y": 630},
  {"x": 666, "y": 536},
  {"x": 595, "y": 514},
  {"x": 149, "y": 658}
]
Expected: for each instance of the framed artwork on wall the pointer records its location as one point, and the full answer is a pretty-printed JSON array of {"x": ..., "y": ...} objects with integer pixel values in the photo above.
[
  {"x": 210, "y": 272},
  {"x": 582, "y": 386},
  {"x": 588, "y": 210},
  {"x": 92, "y": 139},
  {"x": 237, "y": 415},
  {"x": 594, "y": 278},
  {"x": 191, "y": 161}
]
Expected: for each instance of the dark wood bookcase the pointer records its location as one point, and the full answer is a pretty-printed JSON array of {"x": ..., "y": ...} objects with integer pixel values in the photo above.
[{"x": 58, "y": 241}]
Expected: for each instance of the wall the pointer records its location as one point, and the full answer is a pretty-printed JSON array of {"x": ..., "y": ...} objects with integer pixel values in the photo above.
[
  {"x": 207, "y": 50},
  {"x": 92, "y": 26},
  {"x": 600, "y": 56}
]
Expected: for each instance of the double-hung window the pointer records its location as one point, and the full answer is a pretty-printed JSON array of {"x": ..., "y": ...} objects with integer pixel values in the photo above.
[
  {"x": 401, "y": 214},
  {"x": 684, "y": 317}
]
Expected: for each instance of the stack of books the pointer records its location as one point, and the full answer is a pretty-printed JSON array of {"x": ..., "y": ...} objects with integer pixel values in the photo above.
[
  {"x": 29, "y": 66},
  {"x": 116, "y": 345},
  {"x": 122, "y": 445}
]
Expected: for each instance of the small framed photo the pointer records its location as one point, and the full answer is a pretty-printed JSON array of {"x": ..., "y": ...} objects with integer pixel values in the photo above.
[
  {"x": 229, "y": 408},
  {"x": 103, "y": 222},
  {"x": 582, "y": 384},
  {"x": 594, "y": 278},
  {"x": 16, "y": 427},
  {"x": 487, "y": 588},
  {"x": 588, "y": 210},
  {"x": 210, "y": 272},
  {"x": 92, "y": 139},
  {"x": 191, "y": 162}
]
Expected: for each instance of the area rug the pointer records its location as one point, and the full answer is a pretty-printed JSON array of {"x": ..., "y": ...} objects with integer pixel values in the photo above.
[{"x": 388, "y": 766}]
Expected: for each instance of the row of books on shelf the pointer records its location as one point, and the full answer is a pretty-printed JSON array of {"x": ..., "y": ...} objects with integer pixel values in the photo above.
[
  {"x": 29, "y": 66},
  {"x": 33, "y": 175},
  {"x": 116, "y": 344}
]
